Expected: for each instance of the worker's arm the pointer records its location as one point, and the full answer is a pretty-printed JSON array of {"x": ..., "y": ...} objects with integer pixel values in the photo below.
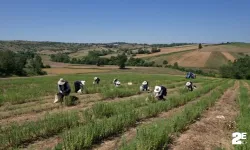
[{"x": 59, "y": 88}]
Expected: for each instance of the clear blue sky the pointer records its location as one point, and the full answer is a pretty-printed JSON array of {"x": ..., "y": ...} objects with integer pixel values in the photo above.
[{"x": 141, "y": 21}]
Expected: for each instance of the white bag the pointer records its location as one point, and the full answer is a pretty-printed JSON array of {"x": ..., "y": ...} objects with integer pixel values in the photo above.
[
  {"x": 79, "y": 91},
  {"x": 141, "y": 88},
  {"x": 56, "y": 99}
]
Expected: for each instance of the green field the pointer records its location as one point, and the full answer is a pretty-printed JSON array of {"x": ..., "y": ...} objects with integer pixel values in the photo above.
[{"x": 29, "y": 118}]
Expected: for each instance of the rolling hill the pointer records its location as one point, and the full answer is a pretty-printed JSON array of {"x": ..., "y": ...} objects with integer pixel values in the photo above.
[{"x": 210, "y": 56}]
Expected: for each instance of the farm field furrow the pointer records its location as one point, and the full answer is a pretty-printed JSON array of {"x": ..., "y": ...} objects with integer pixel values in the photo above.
[
  {"x": 113, "y": 143},
  {"x": 32, "y": 113},
  {"x": 242, "y": 122},
  {"x": 212, "y": 132},
  {"x": 157, "y": 135},
  {"x": 51, "y": 142},
  {"x": 48, "y": 99},
  {"x": 17, "y": 92},
  {"x": 73, "y": 117},
  {"x": 87, "y": 135}
]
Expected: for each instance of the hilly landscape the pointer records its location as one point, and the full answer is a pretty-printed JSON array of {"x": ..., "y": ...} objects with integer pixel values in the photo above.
[{"x": 209, "y": 57}]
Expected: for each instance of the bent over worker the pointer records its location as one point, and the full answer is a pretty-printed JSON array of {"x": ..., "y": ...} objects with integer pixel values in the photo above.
[
  {"x": 144, "y": 86},
  {"x": 79, "y": 86},
  {"x": 190, "y": 86},
  {"x": 63, "y": 88},
  {"x": 160, "y": 92},
  {"x": 96, "y": 80}
]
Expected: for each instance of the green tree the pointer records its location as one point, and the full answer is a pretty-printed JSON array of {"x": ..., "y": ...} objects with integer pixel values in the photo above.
[
  {"x": 200, "y": 46},
  {"x": 176, "y": 65},
  {"x": 165, "y": 62},
  {"x": 7, "y": 63},
  {"x": 121, "y": 60},
  {"x": 238, "y": 69}
]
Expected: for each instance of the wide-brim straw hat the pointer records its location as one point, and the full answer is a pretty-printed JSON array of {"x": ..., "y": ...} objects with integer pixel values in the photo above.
[
  {"x": 95, "y": 78},
  {"x": 188, "y": 84},
  {"x": 157, "y": 89},
  {"x": 61, "y": 82},
  {"x": 144, "y": 83}
]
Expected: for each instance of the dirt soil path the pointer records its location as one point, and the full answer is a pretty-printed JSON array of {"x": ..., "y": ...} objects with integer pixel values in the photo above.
[
  {"x": 113, "y": 143},
  {"x": 228, "y": 56},
  {"x": 212, "y": 132},
  {"x": 192, "y": 59}
]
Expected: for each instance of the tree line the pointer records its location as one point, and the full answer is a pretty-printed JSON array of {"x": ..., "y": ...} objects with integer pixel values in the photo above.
[
  {"x": 20, "y": 63},
  {"x": 94, "y": 58},
  {"x": 170, "y": 45}
]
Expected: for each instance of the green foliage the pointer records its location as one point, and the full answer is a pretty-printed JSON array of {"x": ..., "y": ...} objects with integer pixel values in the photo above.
[
  {"x": 171, "y": 45},
  {"x": 121, "y": 60},
  {"x": 35, "y": 66},
  {"x": 156, "y": 135},
  {"x": 165, "y": 62},
  {"x": 21, "y": 63},
  {"x": 138, "y": 62},
  {"x": 47, "y": 66},
  {"x": 243, "y": 119},
  {"x": 113, "y": 118},
  {"x": 141, "y": 51},
  {"x": 70, "y": 100},
  {"x": 60, "y": 57},
  {"x": 46, "y": 127},
  {"x": 155, "y": 50},
  {"x": 239, "y": 69},
  {"x": 176, "y": 65},
  {"x": 92, "y": 126},
  {"x": 200, "y": 46}
]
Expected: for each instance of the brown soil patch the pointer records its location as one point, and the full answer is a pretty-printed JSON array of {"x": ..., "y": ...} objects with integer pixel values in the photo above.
[
  {"x": 44, "y": 145},
  {"x": 168, "y": 50},
  {"x": 192, "y": 59},
  {"x": 225, "y": 48},
  {"x": 228, "y": 56},
  {"x": 211, "y": 132}
]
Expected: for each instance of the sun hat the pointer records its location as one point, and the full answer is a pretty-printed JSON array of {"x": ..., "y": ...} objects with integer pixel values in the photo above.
[
  {"x": 83, "y": 82},
  {"x": 157, "y": 89},
  {"x": 61, "y": 82},
  {"x": 95, "y": 78},
  {"x": 144, "y": 83},
  {"x": 188, "y": 84}
]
